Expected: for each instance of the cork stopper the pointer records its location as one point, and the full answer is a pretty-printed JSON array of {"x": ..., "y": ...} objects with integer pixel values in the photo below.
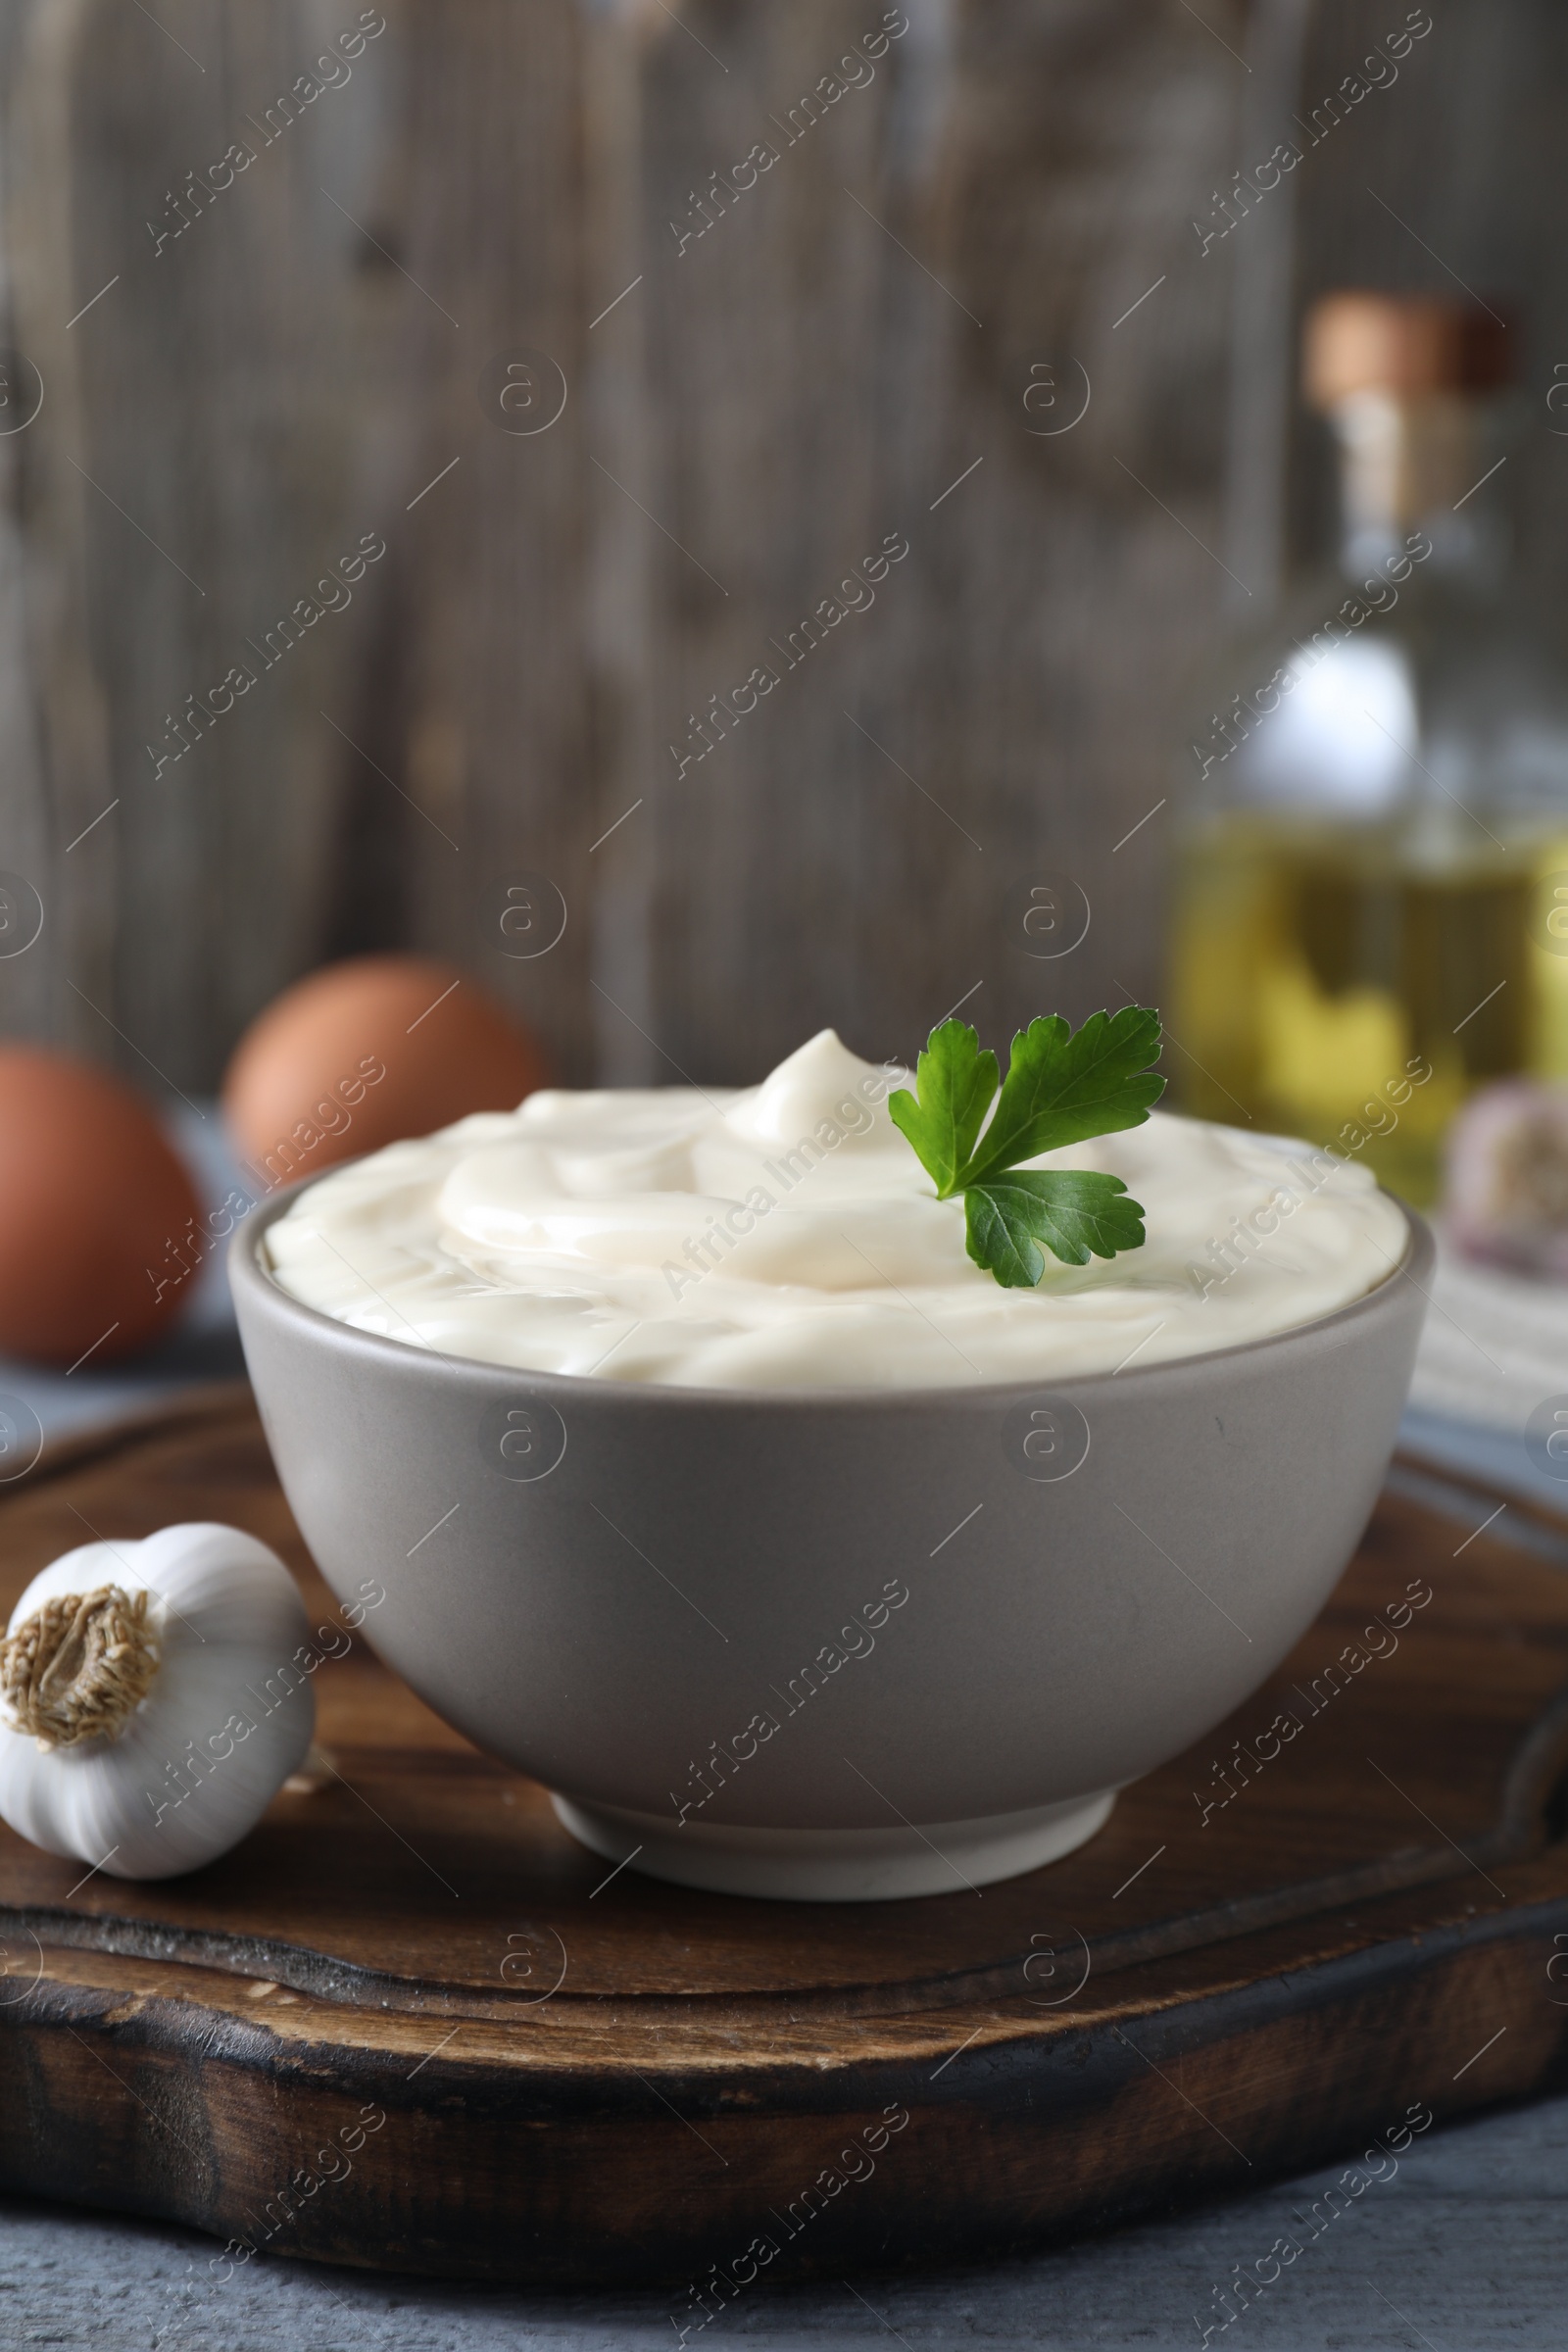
[{"x": 1410, "y": 346}]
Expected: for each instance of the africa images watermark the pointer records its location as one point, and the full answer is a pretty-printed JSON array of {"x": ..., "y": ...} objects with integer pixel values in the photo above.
[
  {"x": 1381, "y": 1639},
  {"x": 186, "y": 1253},
  {"x": 858, "y": 1639},
  {"x": 1381, "y": 74},
  {"x": 855, "y": 71},
  {"x": 1380, "y": 2163},
  {"x": 202, "y": 1759},
  {"x": 726, "y": 2280},
  {"x": 1227, "y": 734},
  {"x": 331, "y": 72},
  {"x": 855, "y": 594},
  {"x": 1308, "y": 1175},
  {"x": 708, "y": 1250},
  {"x": 284, "y": 2207},
  {"x": 198, "y": 718}
]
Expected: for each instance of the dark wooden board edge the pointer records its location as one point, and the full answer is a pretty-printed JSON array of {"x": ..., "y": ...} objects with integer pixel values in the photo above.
[{"x": 1041, "y": 2131}]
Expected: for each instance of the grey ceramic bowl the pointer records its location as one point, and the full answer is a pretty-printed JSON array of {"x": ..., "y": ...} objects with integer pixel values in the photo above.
[{"x": 835, "y": 1646}]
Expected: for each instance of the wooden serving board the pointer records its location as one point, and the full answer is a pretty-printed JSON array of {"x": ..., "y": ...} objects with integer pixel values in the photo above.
[{"x": 410, "y": 2023}]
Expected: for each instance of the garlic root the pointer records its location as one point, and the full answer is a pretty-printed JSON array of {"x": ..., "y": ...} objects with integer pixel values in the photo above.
[{"x": 79, "y": 1666}]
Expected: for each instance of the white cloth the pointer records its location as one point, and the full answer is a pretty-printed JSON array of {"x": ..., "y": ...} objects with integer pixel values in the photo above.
[{"x": 1494, "y": 1346}]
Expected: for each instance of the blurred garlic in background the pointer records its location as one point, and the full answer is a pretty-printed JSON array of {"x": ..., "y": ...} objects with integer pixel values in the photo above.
[{"x": 1506, "y": 1199}]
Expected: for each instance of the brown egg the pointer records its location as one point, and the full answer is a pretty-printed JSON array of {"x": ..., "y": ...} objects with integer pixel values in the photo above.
[
  {"x": 367, "y": 1052},
  {"x": 98, "y": 1218}
]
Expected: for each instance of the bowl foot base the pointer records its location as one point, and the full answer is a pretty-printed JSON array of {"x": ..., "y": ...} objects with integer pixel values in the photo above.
[{"x": 836, "y": 1866}]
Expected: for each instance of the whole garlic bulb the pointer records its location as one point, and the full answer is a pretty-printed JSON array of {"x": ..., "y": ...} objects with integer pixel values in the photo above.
[
  {"x": 1507, "y": 1177},
  {"x": 152, "y": 1702}
]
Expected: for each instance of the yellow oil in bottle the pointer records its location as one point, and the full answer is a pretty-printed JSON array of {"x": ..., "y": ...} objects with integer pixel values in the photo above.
[{"x": 1318, "y": 970}]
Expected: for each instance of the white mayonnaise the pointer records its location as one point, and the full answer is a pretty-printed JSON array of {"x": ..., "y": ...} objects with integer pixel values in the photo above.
[{"x": 786, "y": 1237}]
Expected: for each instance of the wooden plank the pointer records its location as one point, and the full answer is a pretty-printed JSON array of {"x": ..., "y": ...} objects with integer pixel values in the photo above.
[
  {"x": 781, "y": 395},
  {"x": 191, "y": 479},
  {"x": 762, "y": 405}
]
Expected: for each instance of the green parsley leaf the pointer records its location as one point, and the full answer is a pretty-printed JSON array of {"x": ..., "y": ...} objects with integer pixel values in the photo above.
[
  {"x": 1074, "y": 1213},
  {"x": 1062, "y": 1086},
  {"x": 956, "y": 1083}
]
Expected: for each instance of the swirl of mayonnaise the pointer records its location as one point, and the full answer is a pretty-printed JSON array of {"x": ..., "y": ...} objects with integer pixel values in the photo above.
[{"x": 785, "y": 1235}]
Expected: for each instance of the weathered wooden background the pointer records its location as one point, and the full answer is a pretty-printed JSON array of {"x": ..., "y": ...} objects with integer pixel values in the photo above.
[{"x": 850, "y": 337}]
